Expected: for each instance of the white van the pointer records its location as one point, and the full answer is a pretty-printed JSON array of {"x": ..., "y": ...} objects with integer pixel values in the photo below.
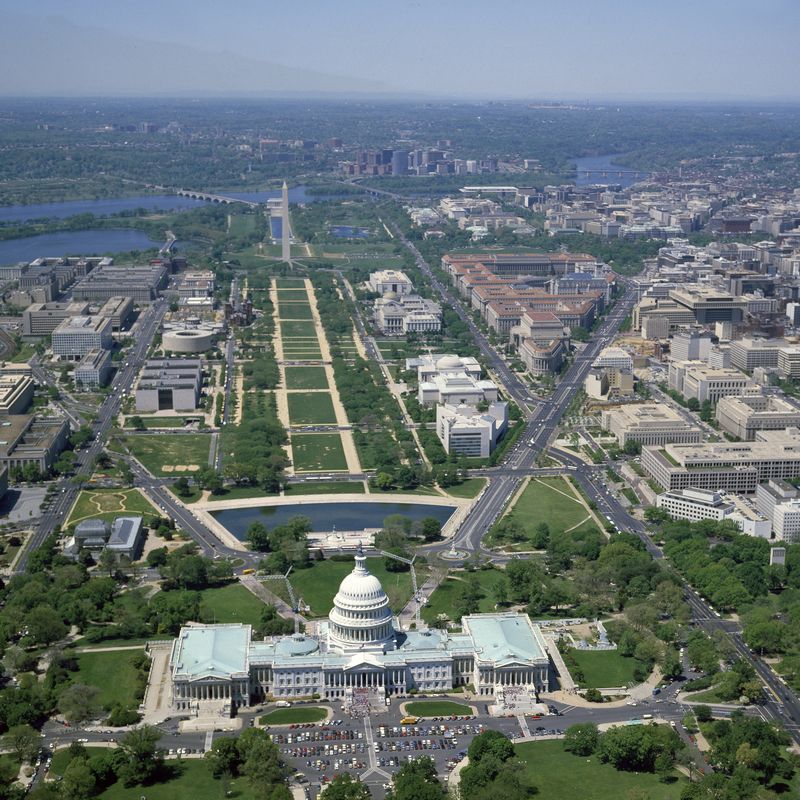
[{"x": 283, "y": 704}]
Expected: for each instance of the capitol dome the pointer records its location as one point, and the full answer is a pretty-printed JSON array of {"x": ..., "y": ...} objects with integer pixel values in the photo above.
[{"x": 361, "y": 618}]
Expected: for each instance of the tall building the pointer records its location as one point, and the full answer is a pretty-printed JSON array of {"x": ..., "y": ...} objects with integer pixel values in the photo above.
[{"x": 286, "y": 246}]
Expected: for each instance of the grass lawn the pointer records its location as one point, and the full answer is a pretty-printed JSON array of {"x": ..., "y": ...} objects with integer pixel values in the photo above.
[
  {"x": 290, "y": 354},
  {"x": 550, "y": 501},
  {"x": 559, "y": 775},
  {"x": 112, "y": 673},
  {"x": 436, "y": 708},
  {"x": 298, "y": 330},
  {"x": 290, "y": 716},
  {"x": 301, "y": 295},
  {"x": 170, "y": 450},
  {"x": 604, "y": 668},
  {"x": 159, "y": 422},
  {"x": 290, "y": 311},
  {"x": 307, "y": 408},
  {"x": 242, "y": 224},
  {"x": 109, "y": 503},
  {"x": 306, "y": 378},
  {"x": 467, "y": 489},
  {"x": 239, "y": 493},
  {"x": 318, "y": 452},
  {"x": 326, "y": 487},
  {"x": 184, "y": 779},
  {"x": 445, "y": 598},
  {"x": 289, "y": 283},
  {"x": 232, "y": 603},
  {"x": 319, "y": 583}
]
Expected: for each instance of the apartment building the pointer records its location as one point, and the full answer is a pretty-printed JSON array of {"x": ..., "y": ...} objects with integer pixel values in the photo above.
[
  {"x": 742, "y": 416},
  {"x": 76, "y": 336},
  {"x": 649, "y": 424}
]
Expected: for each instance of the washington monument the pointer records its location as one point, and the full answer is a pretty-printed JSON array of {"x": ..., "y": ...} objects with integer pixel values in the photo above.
[{"x": 286, "y": 234}]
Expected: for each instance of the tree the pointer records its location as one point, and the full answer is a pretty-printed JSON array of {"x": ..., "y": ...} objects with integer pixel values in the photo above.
[
  {"x": 45, "y": 626},
  {"x": 702, "y": 713},
  {"x": 258, "y": 537},
  {"x": 79, "y": 703},
  {"x": 136, "y": 422},
  {"x": 581, "y": 739},
  {"x": 431, "y": 529},
  {"x": 223, "y": 758},
  {"x": 181, "y": 486},
  {"x": 78, "y": 781},
  {"x": 501, "y": 591},
  {"x": 416, "y": 780},
  {"x": 108, "y": 561},
  {"x": 140, "y": 758},
  {"x": 345, "y": 787},
  {"x": 23, "y": 741}
]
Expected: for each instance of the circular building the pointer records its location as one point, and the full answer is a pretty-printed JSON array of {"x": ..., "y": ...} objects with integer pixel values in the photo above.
[
  {"x": 188, "y": 340},
  {"x": 361, "y": 618}
]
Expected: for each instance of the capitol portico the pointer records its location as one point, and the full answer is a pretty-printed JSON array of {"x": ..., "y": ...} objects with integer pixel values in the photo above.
[{"x": 359, "y": 647}]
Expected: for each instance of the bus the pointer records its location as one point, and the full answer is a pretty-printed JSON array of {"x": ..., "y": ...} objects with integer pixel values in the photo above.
[{"x": 409, "y": 720}]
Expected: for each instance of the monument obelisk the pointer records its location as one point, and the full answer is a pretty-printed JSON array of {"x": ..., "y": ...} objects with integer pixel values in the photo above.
[{"x": 286, "y": 234}]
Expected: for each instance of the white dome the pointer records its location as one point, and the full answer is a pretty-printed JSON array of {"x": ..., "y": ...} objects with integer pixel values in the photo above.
[
  {"x": 448, "y": 362},
  {"x": 361, "y": 617}
]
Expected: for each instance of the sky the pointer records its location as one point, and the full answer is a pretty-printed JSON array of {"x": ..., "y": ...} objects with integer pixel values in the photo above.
[{"x": 483, "y": 49}]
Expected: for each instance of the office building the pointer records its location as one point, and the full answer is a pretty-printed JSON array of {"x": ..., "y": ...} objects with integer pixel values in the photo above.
[
  {"x": 93, "y": 369},
  {"x": 649, "y": 424},
  {"x": 789, "y": 363},
  {"x": 690, "y": 344},
  {"x": 736, "y": 467},
  {"x": 407, "y": 313},
  {"x": 742, "y": 416},
  {"x": 119, "y": 310},
  {"x": 16, "y": 393},
  {"x": 387, "y": 281},
  {"x": 615, "y": 357},
  {"x": 41, "y": 319},
  {"x": 141, "y": 284},
  {"x": 609, "y": 383},
  {"x": 169, "y": 383},
  {"x": 694, "y": 504},
  {"x": 708, "y": 305},
  {"x": 786, "y": 521},
  {"x": 747, "y": 354},
  {"x": 358, "y": 653},
  {"x": 695, "y": 379},
  {"x": 29, "y": 440},
  {"x": 777, "y": 555},
  {"x": 76, "y": 336},
  {"x": 467, "y": 431}
]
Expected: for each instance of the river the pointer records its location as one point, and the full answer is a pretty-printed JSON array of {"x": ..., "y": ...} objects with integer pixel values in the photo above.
[
  {"x": 324, "y": 516},
  {"x": 75, "y": 243},
  {"x": 152, "y": 202},
  {"x": 593, "y": 170}
]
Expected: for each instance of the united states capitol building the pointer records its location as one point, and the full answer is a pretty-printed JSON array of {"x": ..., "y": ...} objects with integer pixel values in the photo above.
[{"x": 360, "y": 647}]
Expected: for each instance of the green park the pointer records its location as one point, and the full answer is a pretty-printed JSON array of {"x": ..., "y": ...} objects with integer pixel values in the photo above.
[
  {"x": 306, "y": 378},
  {"x": 311, "y": 408},
  {"x": 318, "y": 452}
]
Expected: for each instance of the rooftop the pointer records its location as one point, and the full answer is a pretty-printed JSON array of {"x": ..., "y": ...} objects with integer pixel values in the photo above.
[
  {"x": 505, "y": 638},
  {"x": 212, "y": 650}
]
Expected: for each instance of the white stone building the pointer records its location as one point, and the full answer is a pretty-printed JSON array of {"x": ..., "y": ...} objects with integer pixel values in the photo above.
[{"x": 358, "y": 649}]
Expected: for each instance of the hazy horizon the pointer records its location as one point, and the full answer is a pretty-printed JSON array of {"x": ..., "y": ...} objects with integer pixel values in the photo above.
[{"x": 512, "y": 50}]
